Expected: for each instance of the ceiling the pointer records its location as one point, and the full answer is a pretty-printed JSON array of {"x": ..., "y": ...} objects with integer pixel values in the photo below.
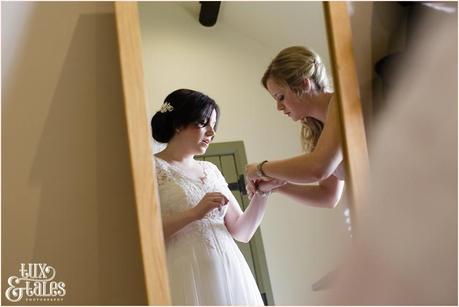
[{"x": 276, "y": 24}]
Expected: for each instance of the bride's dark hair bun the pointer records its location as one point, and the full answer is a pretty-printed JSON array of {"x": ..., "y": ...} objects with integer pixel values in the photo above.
[
  {"x": 161, "y": 127},
  {"x": 181, "y": 108}
]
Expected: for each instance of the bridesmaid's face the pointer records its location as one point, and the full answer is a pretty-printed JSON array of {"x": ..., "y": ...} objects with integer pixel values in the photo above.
[{"x": 287, "y": 101}]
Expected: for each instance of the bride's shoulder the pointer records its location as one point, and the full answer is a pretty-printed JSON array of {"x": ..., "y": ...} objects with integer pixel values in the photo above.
[
  {"x": 162, "y": 173},
  {"x": 213, "y": 170},
  {"x": 207, "y": 164},
  {"x": 210, "y": 167},
  {"x": 160, "y": 164}
]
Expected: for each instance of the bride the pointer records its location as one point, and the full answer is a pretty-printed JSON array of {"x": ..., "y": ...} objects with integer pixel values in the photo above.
[{"x": 200, "y": 215}]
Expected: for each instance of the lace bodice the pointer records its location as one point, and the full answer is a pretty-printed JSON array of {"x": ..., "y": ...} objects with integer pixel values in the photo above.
[{"x": 179, "y": 192}]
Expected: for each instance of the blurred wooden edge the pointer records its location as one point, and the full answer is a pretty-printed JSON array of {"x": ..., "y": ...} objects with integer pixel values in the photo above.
[
  {"x": 347, "y": 90},
  {"x": 145, "y": 188}
]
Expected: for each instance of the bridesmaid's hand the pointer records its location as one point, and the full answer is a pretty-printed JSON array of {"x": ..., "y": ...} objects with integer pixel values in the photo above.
[
  {"x": 251, "y": 172},
  {"x": 263, "y": 185},
  {"x": 270, "y": 185}
]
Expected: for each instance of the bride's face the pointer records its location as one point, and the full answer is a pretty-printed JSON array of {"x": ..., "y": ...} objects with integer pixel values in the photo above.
[{"x": 197, "y": 137}]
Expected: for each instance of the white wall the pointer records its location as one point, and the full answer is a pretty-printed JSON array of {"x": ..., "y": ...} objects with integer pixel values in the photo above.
[{"x": 226, "y": 62}]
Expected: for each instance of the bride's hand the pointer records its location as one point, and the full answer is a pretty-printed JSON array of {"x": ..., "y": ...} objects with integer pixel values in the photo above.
[
  {"x": 251, "y": 188},
  {"x": 209, "y": 202}
]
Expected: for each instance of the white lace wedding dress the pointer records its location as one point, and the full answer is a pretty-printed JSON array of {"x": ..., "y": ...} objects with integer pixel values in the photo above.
[{"x": 204, "y": 263}]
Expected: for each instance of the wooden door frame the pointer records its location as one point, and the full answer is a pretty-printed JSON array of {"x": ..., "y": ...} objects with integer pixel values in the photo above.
[
  {"x": 146, "y": 194},
  {"x": 142, "y": 164},
  {"x": 355, "y": 150}
]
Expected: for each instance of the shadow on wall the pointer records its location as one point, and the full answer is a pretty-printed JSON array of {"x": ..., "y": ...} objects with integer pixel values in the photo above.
[{"x": 84, "y": 223}]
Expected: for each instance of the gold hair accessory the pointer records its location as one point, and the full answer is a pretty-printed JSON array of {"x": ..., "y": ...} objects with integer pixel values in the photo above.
[{"x": 166, "y": 107}]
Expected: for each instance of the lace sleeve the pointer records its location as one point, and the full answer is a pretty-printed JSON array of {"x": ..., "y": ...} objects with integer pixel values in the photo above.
[
  {"x": 161, "y": 173},
  {"x": 163, "y": 177}
]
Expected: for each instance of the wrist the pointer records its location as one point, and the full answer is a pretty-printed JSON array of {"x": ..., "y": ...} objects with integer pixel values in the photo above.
[
  {"x": 260, "y": 172},
  {"x": 194, "y": 214},
  {"x": 263, "y": 193},
  {"x": 279, "y": 188}
]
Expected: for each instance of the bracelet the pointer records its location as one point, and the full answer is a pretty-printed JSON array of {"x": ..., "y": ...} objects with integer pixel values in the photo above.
[{"x": 260, "y": 172}]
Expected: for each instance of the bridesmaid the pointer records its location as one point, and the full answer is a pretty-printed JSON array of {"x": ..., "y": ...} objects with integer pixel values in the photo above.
[{"x": 298, "y": 82}]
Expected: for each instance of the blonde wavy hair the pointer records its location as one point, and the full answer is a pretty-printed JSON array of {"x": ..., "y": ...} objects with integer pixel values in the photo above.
[{"x": 290, "y": 67}]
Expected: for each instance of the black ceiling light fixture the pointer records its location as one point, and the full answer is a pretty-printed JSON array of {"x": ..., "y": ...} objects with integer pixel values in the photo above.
[{"x": 209, "y": 12}]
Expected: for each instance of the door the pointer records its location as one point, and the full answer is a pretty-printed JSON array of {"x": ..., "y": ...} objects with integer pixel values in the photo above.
[{"x": 230, "y": 158}]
